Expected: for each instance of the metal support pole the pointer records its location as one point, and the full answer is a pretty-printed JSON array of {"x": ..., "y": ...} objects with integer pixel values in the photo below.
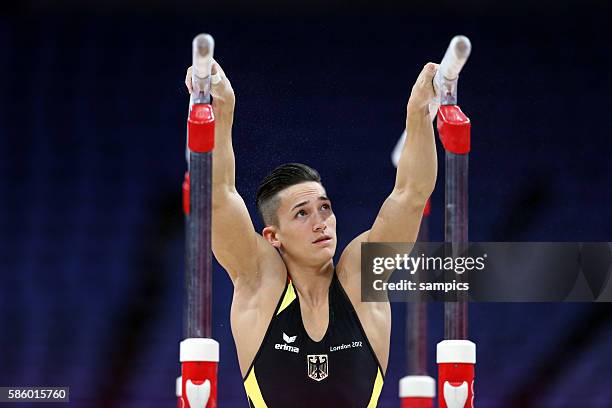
[
  {"x": 456, "y": 233},
  {"x": 198, "y": 288},
  {"x": 199, "y": 353},
  {"x": 456, "y": 356}
]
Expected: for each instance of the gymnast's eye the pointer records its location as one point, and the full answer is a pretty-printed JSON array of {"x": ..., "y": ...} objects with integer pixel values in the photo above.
[
  {"x": 326, "y": 207},
  {"x": 300, "y": 213}
]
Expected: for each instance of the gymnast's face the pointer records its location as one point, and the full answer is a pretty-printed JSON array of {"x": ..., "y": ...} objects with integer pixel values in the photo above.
[{"x": 307, "y": 225}]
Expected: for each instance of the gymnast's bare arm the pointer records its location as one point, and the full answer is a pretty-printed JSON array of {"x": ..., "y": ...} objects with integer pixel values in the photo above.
[
  {"x": 255, "y": 268},
  {"x": 233, "y": 234},
  {"x": 236, "y": 244},
  {"x": 399, "y": 218}
]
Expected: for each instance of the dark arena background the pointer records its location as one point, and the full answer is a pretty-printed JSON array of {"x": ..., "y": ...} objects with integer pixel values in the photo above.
[{"x": 92, "y": 139}]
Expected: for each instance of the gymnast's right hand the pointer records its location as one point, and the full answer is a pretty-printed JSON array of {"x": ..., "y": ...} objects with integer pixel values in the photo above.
[{"x": 224, "y": 99}]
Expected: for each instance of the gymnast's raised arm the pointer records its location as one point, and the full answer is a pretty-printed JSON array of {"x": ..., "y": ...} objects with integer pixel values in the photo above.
[
  {"x": 234, "y": 239},
  {"x": 399, "y": 218}
]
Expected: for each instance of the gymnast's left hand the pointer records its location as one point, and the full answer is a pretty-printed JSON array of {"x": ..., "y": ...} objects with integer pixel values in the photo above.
[{"x": 422, "y": 92}]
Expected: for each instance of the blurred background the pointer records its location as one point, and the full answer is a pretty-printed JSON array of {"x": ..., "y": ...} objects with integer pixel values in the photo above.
[{"x": 92, "y": 136}]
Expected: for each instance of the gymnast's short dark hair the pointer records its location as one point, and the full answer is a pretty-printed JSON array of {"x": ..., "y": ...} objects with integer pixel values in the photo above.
[{"x": 285, "y": 175}]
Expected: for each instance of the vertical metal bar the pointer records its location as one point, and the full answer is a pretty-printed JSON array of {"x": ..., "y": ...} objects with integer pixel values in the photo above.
[
  {"x": 456, "y": 233},
  {"x": 456, "y": 356},
  {"x": 199, "y": 247},
  {"x": 456, "y": 181},
  {"x": 416, "y": 322},
  {"x": 200, "y": 140},
  {"x": 199, "y": 353}
]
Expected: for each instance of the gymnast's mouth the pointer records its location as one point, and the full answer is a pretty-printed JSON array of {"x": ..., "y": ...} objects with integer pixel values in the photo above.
[{"x": 323, "y": 238}]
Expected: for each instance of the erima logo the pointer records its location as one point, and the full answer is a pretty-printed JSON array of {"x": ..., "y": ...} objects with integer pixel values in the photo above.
[{"x": 286, "y": 347}]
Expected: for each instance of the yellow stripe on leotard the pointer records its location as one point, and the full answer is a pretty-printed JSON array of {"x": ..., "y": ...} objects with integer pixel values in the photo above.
[
  {"x": 288, "y": 298},
  {"x": 253, "y": 392},
  {"x": 250, "y": 383},
  {"x": 378, "y": 384}
]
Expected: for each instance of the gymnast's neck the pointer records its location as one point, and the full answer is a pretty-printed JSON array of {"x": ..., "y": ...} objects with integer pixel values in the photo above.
[{"x": 312, "y": 282}]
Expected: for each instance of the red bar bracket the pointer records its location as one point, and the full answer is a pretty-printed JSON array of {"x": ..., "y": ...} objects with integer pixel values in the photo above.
[
  {"x": 454, "y": 129},
  {"x": 201, "y": 128}
]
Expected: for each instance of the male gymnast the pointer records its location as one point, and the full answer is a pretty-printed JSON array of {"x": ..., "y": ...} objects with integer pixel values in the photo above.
[{"x": 302, "y": 334}]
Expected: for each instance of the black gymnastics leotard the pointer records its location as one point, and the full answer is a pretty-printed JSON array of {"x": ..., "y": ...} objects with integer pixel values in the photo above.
[{"x": 292, "y": 370}]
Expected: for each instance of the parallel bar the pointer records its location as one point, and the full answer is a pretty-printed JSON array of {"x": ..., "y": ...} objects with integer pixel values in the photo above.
[
  {"x": 447, "y": 77},
  {"x": 200, "y": 140},
  {"x": 456, "y": 356},
  {"x": 198, "y": 352},
  {"x": 456, "y": 182}
]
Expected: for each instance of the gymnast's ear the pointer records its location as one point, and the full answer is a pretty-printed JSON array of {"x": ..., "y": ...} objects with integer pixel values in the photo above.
[{"x": 270, "y": 234}]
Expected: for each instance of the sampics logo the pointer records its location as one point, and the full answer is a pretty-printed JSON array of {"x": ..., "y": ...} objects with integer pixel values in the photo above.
[{"x": 285, "y": 346}]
